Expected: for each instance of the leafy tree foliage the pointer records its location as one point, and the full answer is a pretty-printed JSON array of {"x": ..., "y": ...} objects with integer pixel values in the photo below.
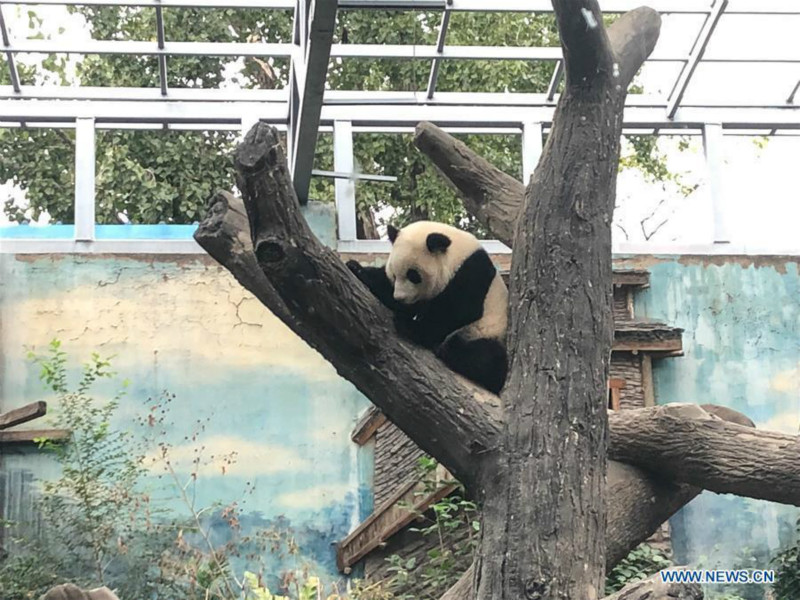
[{"x": 166, "y": 176}]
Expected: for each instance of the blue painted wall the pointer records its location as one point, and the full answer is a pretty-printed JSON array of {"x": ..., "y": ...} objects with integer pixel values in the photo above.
[
  {"x": 184, "y": 325},
  {"x": 741, "y": 318}
]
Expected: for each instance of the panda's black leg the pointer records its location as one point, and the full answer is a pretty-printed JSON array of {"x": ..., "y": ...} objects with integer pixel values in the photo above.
[{"x": 483, "y": 361}]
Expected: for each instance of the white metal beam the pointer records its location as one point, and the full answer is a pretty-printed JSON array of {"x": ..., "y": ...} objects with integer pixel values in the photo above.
[
  {"x": 695, "y": 56},
  {"x": 383, "y": 115},
  {"x": 152, "y": 48},
  {"x": 742, "y": 7},
  {"x": 84, "y": 179},
  {"x": 189, "y": 246},
  {"x": 12, "y": 67},
  {"x": 713, "y": 145},
  {"x": 788, "y": 55},
  {"x": 345, "y": 189}
]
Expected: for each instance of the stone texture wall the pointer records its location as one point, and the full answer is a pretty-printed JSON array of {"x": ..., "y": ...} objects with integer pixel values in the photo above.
[
  {"x": 620, "y": 305},
  {"x": 628, "y": 366}
]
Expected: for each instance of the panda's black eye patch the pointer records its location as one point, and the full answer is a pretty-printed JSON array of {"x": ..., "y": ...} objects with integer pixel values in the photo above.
[{"x": 413, "y": 276}]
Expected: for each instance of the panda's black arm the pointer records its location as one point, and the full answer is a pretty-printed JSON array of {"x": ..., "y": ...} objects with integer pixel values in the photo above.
[
  {"x": 376, "y": 280},
  {"x": 461, "y": 302}
]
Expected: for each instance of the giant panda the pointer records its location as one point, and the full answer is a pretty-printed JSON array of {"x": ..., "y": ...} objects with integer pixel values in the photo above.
[{"x": 447, "y": 296}]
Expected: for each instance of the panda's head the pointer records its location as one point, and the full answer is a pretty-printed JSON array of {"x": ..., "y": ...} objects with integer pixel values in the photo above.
[{"x": 424, "y": 257}]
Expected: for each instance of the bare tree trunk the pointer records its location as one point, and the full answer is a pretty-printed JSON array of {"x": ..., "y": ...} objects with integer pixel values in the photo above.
[
  {"x": 449, "y": 418},
  {"x": 543, "y": 534},
  {"x": 536, "y": 461}
]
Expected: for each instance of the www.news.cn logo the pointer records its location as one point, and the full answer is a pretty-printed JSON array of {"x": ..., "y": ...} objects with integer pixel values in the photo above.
[{"x": 717, "y": 576}]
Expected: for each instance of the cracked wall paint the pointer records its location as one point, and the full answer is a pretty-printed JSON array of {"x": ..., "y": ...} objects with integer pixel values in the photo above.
[
  {"x": 741, "y": 318},
  {"x": 183, "y": 324}
]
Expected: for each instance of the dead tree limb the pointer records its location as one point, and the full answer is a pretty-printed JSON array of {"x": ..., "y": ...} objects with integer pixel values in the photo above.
[
  {"x": 683, "y": 442},
  {"x": 311, "y": 290},
  {"x": 494, "y": 197},
  {"x": 641, "y": 502},
  {"x": 549, "y": 481},
  {"x": 490, "y": 195},
  {"x": 655, "y": 589}
]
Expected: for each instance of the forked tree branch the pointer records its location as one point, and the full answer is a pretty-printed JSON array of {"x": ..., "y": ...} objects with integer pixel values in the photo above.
[
  {"x": 309, "y": 288},
  {"x": 587, "y": 51},
  {"x": 493, "y": 197}
]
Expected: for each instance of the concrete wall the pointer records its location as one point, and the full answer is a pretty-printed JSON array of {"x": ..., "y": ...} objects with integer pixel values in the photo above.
[
  {"x": 741, "y": 318},
  {"x": 181, "y": 323}
]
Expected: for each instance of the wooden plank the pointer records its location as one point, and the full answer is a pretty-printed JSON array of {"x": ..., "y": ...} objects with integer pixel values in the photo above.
[
  {"x": 394, "y": 515},
  {"x": 615, "y": 385},
  {"x": 631, "y": 277},
  {"x": 673, "y": 347},
  {"x": 629, "y": 301},
  {"x": 367, "y": 426},
  {"x": 27, "y": 436},
  {"x": 23, "y": 414},
  {"x": 615, "y": 399},
  {"x": 647, "y": 380}
]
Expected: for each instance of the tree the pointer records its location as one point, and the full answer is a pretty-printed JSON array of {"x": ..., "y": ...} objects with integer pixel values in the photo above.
[
  {"x": 535, "y": 458},
  {"x": 165, "y": 176}
]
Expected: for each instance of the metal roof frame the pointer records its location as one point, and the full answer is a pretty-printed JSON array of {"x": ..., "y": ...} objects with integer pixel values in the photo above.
[{"x": 304, "y": 108}]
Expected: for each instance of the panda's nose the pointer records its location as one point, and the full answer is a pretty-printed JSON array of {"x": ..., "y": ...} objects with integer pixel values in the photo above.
[{"x": 400, "y": 296}]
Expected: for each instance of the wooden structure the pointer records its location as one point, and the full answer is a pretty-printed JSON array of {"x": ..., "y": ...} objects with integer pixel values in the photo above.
[
  {"x": 636, "y": 344},
  {"x": 24, "y": 414}
]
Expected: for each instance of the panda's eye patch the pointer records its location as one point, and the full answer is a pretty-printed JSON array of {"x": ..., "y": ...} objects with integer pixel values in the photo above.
[{"x": 413, "y": 276}]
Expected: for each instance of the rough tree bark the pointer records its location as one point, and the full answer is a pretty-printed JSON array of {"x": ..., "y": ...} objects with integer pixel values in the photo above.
[
  {"x": 544, "y": 526},
  {"x": 715, "y": 454},
  {"x": 536, "y": 461},
  {"x": 641, "y": 502}
]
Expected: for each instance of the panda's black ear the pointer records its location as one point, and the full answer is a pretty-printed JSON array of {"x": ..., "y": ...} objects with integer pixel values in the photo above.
[
  {"x": 438, "y": 242},
  {"x": 392, "y": 231}
]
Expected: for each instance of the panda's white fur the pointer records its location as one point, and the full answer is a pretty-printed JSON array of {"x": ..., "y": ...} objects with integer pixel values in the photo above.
[
  {"x": 410, "y": 251},
  {"x": 447, "y": 296}
]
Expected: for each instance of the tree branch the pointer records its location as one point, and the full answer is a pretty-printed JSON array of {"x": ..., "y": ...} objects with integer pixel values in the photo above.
[
  {"x": 309, "y": 288},
  {"x": 587, "y": 51},
  {"x": 633, "y": 37},
  {"x": 489, "y": 194},
  {"x": 494, "y": 197},
  {"x": 654, "y": 589},
  {"x": 685, "y": 443}
]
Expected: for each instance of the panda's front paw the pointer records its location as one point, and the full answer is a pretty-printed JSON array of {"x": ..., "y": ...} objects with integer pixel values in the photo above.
[{"x": 354, "y": 266}]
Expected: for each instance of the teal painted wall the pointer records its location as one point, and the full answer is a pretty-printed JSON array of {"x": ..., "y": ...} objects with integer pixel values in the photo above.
[
  {"x": 742, "y": 349},
  {"x": 183, "y": 324}
]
